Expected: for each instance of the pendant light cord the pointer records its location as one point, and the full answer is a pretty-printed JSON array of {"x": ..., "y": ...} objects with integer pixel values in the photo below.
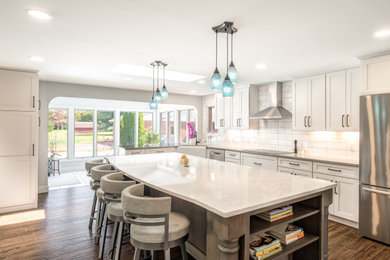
[
  {"x": 227, "y": 52},
  {"x": 164, "y": 74},
  {"x": 158, "y": 76},
  {"x": 216, "y": 49},
  {"x": 231, "y": 47},
  {"x": 153, "y": 81}
]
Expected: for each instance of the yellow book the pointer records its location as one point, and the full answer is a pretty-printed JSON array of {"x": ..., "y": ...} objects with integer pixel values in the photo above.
[{"x": 260, "y": 253}]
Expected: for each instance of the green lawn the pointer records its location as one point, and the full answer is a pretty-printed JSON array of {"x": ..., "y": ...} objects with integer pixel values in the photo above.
[{"x": 79, "y": 138}]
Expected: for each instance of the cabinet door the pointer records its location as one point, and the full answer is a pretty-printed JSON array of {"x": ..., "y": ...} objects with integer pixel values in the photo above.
[
  {"x": 285, "y": 170},
  {"x": 352, "y": 99},
  {"x": 228, "y": 112},
  {"x": 335, "y": 93},
  {"x": 347, "y": 198},
  {"x": 303, "y": 173},
  {"x": 316, "y": 103},
  {"x": 245, "y": 103},
  {"x": 19, "y": 90},
  {"x": 300, "y": 98},
  {"x": 326, "y": 177},
  {"x": 265, "y": 162},
  {"x": 220, "y": 111},
  {"x": 236, "y": 107}
]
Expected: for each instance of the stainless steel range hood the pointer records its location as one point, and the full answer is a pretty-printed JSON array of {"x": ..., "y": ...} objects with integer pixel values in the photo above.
[{"x": 275, "y": 111}]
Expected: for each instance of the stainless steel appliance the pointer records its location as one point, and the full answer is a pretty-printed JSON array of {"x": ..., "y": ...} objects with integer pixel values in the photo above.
[
  {"x": 216, "y": 154},
  {"x": 374, "y": 167}
]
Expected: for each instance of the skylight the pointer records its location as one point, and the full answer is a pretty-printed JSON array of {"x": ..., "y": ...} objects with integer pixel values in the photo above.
[{"x": 141, "y": 71}]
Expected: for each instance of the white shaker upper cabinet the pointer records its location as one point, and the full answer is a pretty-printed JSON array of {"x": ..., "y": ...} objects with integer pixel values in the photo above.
[
  {"x": 342, "y": 103},
  {"x": 375, "y": 74},
  {"x": 20, "y": 90},
  {"x": 223, "y": 112},
  {"x": 245, "y": 103},
  {"x": 309, "y": 103}
]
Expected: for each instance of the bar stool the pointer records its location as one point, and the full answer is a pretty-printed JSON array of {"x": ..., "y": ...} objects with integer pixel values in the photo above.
[
  {"x": 90, "y": 164},
  {"x": 112, "y": 185},
  {"x": 153, "y": 225},
  {"x": 96, "y": 173}
]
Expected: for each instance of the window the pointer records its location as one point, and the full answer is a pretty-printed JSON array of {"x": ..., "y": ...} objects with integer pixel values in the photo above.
[
  {"x": 83, "y": 133},
  {"x": 163, "y": 127},
  {"x": 145, "y": 130},
  {"x": 105, "y": 133},
  {"x": 183, "y": 127},
  {"x": 127, "y": 130},
  {"x": 58, "y": 132},
  {"x": 211, "y": 127},
  {"x": 171, "y": 128}
]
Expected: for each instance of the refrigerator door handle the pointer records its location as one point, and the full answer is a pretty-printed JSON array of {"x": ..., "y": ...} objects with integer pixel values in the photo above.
[{"x": 376, "y": 191}]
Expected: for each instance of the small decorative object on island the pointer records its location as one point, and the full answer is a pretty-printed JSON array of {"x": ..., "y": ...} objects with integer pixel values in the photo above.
[
  {"x": 158, "y": 95},
  {"x": 184, "y": 160},
  {"x": 231, "y": 71}
]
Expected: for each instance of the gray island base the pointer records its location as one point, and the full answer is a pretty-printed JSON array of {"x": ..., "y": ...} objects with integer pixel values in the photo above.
[{"x": 221, "y": 200}]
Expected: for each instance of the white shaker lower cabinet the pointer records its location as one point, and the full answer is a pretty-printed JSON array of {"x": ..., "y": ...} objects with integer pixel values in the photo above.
[
  {"x": 18, "y": 160},
  {"x": 261, "y": 161},
  {"x": 295, "y": 167},
  {"x": 345, "y": 207}
]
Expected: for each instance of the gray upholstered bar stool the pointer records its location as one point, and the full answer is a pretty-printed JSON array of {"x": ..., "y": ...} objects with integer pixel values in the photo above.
[
  {"x": 112, "y": 185},
  {"x": 153, "y": 225},
  {"x": 97, "y": 172},
  {"x": 90, "y": 164}
]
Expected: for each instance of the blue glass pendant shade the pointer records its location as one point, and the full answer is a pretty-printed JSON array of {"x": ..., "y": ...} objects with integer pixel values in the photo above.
[
  {"x": 216, "y": 80},
  {"x": 232, "y": 72},
  {"x": 157, "y": 96},
  {"x": 227, "y": 87},
  {"x": 152, "y": 104},
  {"x": 164, "y": 92}
]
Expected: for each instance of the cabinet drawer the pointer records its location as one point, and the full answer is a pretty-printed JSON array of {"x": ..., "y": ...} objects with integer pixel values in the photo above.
[
  {"x": 160, "y": 150},
  {"x": 337, "y": 170},
  {"x": 135, "y": 151},
  {"x": 285, "y": 170},
  {"x": 238, "y": 161},
  {"x": 233, "y": 155},
  {"x": 295, "y": 164},
  {"x": 295, "y": 172},
  {"x": 266, "y": 162}
]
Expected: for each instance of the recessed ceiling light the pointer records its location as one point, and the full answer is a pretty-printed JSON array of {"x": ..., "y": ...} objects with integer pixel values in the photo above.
[
  {"x": 260, "y": 66},
  {"x": 381, "y": 34},
  {"x": 41, "y": 15},
  {"x": 192, "y": 91},
  {"x": 37, "y": 59},
  {"x": 201, "y": 81},
  {"x": 141, "y": 71}
]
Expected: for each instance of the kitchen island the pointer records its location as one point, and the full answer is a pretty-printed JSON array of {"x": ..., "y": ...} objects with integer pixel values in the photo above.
[{"x": 221, "y": 200}]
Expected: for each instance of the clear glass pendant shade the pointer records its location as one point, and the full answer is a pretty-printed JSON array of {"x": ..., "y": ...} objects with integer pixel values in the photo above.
[
  {"x": 227, "y": 87},
  {"x": 164, "y": 92},
  {"x": 152, "y": 104},
  {"x": 216, "y": 80},
  {"x": 157, "y": 96},
  {"x": 232, "y": 72}
]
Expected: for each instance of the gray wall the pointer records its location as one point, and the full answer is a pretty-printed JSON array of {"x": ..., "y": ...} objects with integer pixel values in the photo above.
[{"x": 50, "y": 90}]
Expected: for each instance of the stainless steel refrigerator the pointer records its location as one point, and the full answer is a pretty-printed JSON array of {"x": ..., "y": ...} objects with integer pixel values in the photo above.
[{"x": 374, "y": 167}]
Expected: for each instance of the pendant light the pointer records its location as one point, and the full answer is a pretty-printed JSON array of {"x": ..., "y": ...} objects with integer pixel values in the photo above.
[
  {"x": 164, "y": 91},
  {"x": 231, "y": 71},
  {"x": 157, "y": 95},
  {"x": 152, "y": 103},
  {"x": 216, "y": 79},
  {"x": 227, "y": 86}
]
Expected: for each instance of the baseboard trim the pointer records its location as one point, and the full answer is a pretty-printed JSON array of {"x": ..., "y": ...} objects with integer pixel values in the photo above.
[
  {"x": 344, "y": 221},
  {"x": 43, "y": 189},
  {"x": 18, "y": 208}
]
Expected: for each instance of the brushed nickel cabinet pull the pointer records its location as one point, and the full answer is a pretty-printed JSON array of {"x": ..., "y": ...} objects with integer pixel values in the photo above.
[
  {"x": 33, "y": 150},
  {"x": 304, "y": 121},
  {"x": 294, "y": 164},
  {"x": 342, "y": 120},
  {"x": 348, "y": 120},
  {"x": 256, "y": 163},
  {"x": 334, "y": 170},
  {"x": 33, "y": 102}
]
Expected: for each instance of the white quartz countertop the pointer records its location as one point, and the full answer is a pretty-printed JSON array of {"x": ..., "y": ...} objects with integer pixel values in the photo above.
[{"x": 227, "y": 189}]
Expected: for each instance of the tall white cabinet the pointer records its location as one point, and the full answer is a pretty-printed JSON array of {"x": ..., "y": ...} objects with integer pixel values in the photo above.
[
  {"x": 309, "y": 103},
  {"x": 223, "y": 112},
  {"x": 244, "y": 104},
  {"x": 19, "y": 139}
]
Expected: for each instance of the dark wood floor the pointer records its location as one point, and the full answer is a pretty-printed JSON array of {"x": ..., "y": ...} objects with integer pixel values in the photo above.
[{"x": 64, "y": 234}]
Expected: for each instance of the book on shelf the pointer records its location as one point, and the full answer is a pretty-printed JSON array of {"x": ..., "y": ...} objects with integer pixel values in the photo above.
[
  {"x": 287, "y": 233},
  {"x": 278, "y": 210},
  {"x": 276, "y": 214},
  {"x": 275, "y": 219},
  {"x": 263, "y": 244}
]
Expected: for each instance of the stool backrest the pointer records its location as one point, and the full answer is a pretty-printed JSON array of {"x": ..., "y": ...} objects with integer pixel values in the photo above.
[
  {"x": 97, "y": 172},
  {"x": 113, "y": 183},
  {"x": 90, "y": 164}
]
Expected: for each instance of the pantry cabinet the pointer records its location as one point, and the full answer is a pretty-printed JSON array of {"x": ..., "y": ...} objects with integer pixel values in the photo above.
[
  {"x": 309, "y": 103},
  {"x": 245, "y": 103},
  {"x": 223, "y": 112},
  {"x": 342, "y": 100}
]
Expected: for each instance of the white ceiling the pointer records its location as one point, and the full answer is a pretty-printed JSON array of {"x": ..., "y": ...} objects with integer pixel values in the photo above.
[{"x": 87, "y": 39}]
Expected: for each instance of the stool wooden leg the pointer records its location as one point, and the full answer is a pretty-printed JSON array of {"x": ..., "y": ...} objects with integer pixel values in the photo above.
[
  {"x": 137, "y": 254},
  {"x": 113, "y": 240},
  {"x": 100, "y": 212},
  {"x": 183, "y": 251},
  {"x": 103, "y": 231},
  {"x": 92, "y": 216},
  {"x": 119, "y": 242}
]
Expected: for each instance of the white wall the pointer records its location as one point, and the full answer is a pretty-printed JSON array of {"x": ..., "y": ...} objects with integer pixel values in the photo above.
[{"x": 50, "y": 90}]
